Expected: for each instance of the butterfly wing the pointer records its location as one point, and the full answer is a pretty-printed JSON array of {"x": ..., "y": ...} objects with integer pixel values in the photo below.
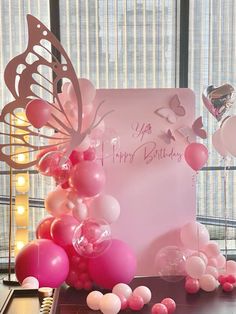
[
  {"x": 187, "y": 133},
  {"x": 167, "y": 137},
  {"x": 166, "y": 113},
  {"x": 176, "y": 106},
  {"x": 198, "y": 128},
  {"x": 30, "y": 75}
]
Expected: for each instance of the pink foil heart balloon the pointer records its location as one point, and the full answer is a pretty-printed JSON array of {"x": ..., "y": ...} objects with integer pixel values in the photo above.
[{"x": 219, "y": 99}]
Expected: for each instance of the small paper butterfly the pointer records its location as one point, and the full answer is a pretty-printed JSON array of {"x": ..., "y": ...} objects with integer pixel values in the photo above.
[
  {"x": 196, "y": 130},
  {"x": 175, "y": 109},
  {"x": 167, "y": 137}
]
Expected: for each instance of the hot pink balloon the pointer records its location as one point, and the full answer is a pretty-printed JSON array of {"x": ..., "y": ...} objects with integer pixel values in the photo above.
[
  {"x": 218, "y": 143},
  {"x": 38, "y": 112},
  {"x": 43, "y": 228},
  {"x": 196, "y": 155},
  {"x": 117, "y": 264},
  {"x": 62, "y": 230},
  {"x": 228, "y": 131},
  {"x": 88, "y": 178},
  {"x": 44, "y": 260}
]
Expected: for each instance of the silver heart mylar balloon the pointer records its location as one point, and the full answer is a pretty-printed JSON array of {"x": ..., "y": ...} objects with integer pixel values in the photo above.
[{"x": 218, "y": 100}]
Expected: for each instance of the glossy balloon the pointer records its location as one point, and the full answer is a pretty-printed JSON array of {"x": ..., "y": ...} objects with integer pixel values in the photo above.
[
  {"x": 38, "y": 112},
  {"x": 218, "y": 100},
  {"x": 62, "y": 230},
  {"x": 44, "y": 260},
  {"x": 43, "y": 230},
  {"x": 196, "y": 155}
]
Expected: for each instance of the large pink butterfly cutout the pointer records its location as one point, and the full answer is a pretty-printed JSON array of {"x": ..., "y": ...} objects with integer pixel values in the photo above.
[
  {"x": 175, "y": 109},
  {"x": 196, "y": 130},
  {"x": 23, "y": 76}
]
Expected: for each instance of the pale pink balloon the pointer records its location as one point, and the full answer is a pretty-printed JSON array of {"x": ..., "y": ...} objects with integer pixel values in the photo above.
[
  {"x": 218, "y": 143},
  {"x": 104, "y": 207},
  {"x": 62, "y": 230},
  {"x": 56, "y": 202},
  {"x": 144, "y": 292},
  {"x": 221, "y": 260},
  {"x": 228, "y": 131},
  {"x": 38, "y": 112},
  {"x": 30, "y": 283},
  {"x": 87, "y": 91},
  {"x": 124, "y": 301},
  {"x": 208, "y": 283},
  {"x": 80, "y": 212},
  {"x": 211, "y": 249},
  {"x": 202, "y": 255},
  {"x": 212, "y": 261},
  {"x": 211, "y": 270},
  {"x": 122, "y": 289},
  {"x": 170, "y": 304},
  {"x": 195, "y": 267},
  {"x": 93, "y": 300},
  {"x": 196, "y": 155},
  {"x": 110, "y": 304},
  {"x": 194, "y": 235},
  {"x": 230, "y": 267},
  {"x": 192, "y": 285},
  {"x": 88, "y": 178},
  {"x": 135, "y": 302}
]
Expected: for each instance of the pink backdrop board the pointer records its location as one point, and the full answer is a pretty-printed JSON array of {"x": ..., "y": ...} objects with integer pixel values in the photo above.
[{"x": 146, "y": 170}]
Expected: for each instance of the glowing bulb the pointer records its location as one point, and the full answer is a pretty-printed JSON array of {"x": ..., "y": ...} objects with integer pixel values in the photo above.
[
  {"x": 21, "y": 181},
  {"x": 20, "y": 209},
  {"x": 21, "y": 119},
  {"x": 19, "y": 245},
  {"x": 21, "y": 157}
]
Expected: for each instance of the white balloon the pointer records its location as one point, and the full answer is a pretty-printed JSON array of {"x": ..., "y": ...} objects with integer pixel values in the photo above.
[
  {"x": 122, "y": 289},
  {"x": 110, "y": 304},
  {"x": 144, "y": 292},
  {"x": 104, "y": 207},
  {"x": 30, "y": 283},
  {"x": 93, "y": 300}
]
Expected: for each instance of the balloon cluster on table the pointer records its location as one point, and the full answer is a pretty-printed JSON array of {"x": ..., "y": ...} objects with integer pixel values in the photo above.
[
  {"x": 74, "y": 243},
  {"x": 198, "y": 259}
]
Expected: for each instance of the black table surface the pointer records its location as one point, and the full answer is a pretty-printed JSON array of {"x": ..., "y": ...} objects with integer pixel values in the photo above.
[{"x": 71, "y": 301}]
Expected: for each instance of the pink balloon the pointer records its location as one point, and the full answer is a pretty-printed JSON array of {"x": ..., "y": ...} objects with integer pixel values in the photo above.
[
  {"x": 230, "y": 267},
  {"x": 104, "y": 207},
  {"x": 43, "y": 260},
  {"x": 228, "y": 287},
  {"x": 87, "y": 91},
  {"x": 202, "y": 255},
  {"x": 135, "y": 302},
  {"x": 124, "y": 301},
  {"x": 159, "y": 308},
  {"x": 93, "y": 300},
  {"x": 221, "y": 260},
  {"x": 192, "y": 285},
  {"x": 196, "y": 155},
  {"x": 211, "y": 249},
  {"x": 195, "y": 267},
  {"x": 228, "y": 131},
  {"x": 170, "y": 304},
  {"x": 38, "y": 112},
  {"x": 62, "y": 230},
  {"x": 143, "y": 292},
  {"x": 88, "y": 178},
  {"x": 212, "y": 262},
  {"x": 211, "y": 270},
  {"x": 117, "y": 264},
  {"x": 49, "y": 162},
  {"x": 208, "y": 283},
  {"x": 90, "y": 154},
  {"x": 218, "y": 143},
  {"x": 56, "y": 202},
  {"x": 194, "y": 235},
  {"x": 43, "y": 228}
]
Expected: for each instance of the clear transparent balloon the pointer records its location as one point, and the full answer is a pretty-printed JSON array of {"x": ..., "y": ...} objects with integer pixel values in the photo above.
[
  {"x": 170, "y": 264},
  {"x": 92, "y": 237}
]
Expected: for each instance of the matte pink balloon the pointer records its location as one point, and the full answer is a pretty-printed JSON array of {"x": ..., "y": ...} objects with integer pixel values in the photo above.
[
  {"x": 192, "y": 285},
  {"x": 196, "y": 155},
  {"x": 228, "y": 131},
  {"x": 208, "y": 283},
  {"x": 88, "y": 178},
  {"x": 230, "y": 267},
  {"x": 135, "y": 302},
  {"x": 44, "y": 260},
  {"x": 38, "y": 112},
  {"x": 218, "y": 143},
  {"x": 211, "y": 249},
  {"x": 202, "y": 255},
  {"x": 117, "y": 264},
  {"x": 221, "y": 260},
  {"x": 195, "y": 267},
  {"x": 62, "y": 230},
  {"x": 211, "y": 270},
  {"x": 44, "y": 227},
  {"x": 194, "y": 235},
  {"x": 159, "y": 308}
]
